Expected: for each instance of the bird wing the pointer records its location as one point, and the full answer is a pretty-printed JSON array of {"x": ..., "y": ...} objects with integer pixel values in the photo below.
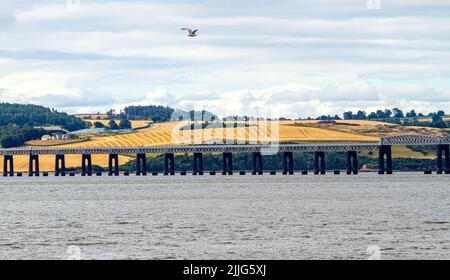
[
  {"x": 187, "y": 29},
  {"x": 195, "y": 31}
]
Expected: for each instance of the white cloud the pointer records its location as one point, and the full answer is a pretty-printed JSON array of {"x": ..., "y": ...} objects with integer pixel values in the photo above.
[
  {"x": 301, "y": 100},
  {"x": 30, "y": 87},
  {"x": 50, "y": 89},
  {"x": 160, "y": 96}
]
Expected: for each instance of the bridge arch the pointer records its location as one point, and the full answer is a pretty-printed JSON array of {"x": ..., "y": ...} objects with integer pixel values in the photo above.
[
  {"x": 415, "y": 139},
  {"x": 446, "y": 140}
]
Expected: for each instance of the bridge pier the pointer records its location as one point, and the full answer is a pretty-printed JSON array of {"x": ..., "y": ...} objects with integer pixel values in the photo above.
[
  {"x": 60, "y": 165},
  {"x": 141, "y": 165},
  {"x": 257, "y": 164},
  {"x": 385, "y": 151},
  {"x": 169, "y": 164},
  {"x": 198, "y": 164},
  {"x": 227, "y": 163},
  {"x": 319, "y": 163},
  {"x": 352, "y": 162},
  {"x": 33, "y": 165},
  {"x": 288, "y": 163},
  {"x": 113, "y": 165},
  {"x": 86, "y": 165},
  {"x": 8, "y": 160},
  {"x": 443, "y": 159}
]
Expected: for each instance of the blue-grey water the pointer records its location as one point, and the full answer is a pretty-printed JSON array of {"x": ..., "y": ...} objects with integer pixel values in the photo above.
[{"x": 226, "y": 217}]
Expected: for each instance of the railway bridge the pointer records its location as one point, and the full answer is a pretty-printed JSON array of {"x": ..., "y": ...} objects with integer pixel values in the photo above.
[{"x": 384, "y": 146}]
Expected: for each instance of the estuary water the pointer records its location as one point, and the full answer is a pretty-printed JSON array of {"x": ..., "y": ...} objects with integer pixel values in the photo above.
[{"x": 407, "y": 216}]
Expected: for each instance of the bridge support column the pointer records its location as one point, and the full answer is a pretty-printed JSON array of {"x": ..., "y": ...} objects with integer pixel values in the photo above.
[
  {"x": 352, "y": 162},
  {"x": 33, "y": 165},
  {"x": 113, "y": 165},
  {"x": 319, "y": 163},
  {"x": 385, "y": 166},
  {"x": 141, "y": 165},
  {"x": 443, "y": 159},
  {"x": 60, "y": 165},
  {"x": 8, "y": 161},
  {"x": 288, "y": 163},
  {"x": 227, "y": 164},
  {"x": 169, "y": 164},
  {"x": 198, "y": 164},
  {"x": 86, "y": 165},
  {"x": 257, "y": 164}
]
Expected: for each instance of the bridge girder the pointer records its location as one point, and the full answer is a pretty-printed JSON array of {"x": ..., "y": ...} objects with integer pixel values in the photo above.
[{"x": 415, "y": 140}]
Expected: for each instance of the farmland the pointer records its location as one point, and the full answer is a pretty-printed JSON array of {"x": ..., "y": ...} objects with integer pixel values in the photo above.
[
  {"x": 169, "y": 133},
  {"x": 54, "y": 143}
]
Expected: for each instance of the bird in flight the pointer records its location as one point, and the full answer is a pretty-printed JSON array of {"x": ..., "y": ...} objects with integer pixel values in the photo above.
[{"x": 192, "y": 33}]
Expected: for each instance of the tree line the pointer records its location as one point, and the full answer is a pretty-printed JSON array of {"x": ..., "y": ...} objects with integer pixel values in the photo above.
[
  {"x": 163, "y": 114},
  {"x": 397, "y": 116},
  {"x": 18, "y": 123},
  {"x": 154, "y": 113},
  {"x": 33, "y": 115}
]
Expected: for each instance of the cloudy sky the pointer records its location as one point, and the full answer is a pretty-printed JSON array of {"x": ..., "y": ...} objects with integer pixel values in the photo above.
[{"x": 288, "y": 58}]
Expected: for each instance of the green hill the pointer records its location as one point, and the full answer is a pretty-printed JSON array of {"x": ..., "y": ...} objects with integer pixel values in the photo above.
[
  {"x": 33, "y": 115},
  {"x": 18, "y": 122}
]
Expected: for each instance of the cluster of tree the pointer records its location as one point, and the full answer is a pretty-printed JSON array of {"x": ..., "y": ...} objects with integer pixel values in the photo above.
[
  {"x": 388, "y": 114},
  {"x": 14, "y": 136},
  {"x": 328, "y": 118},
  {"x": 123, "y": 124},
  {"x": 180, "y": 115},
  {"x": 397, "y": 116},
  {"x": 437, "y": 121},
  {"x": 33, "y": 115},
  {"x": 153, "y": 113},
  {"x": 164, "y": 114}
]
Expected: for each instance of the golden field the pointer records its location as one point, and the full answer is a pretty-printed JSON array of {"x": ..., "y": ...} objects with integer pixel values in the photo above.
[
  {"x": 53, "y": 143},
  {"x": 169, "y": 133},
  {"x": 165, "y": 134}
]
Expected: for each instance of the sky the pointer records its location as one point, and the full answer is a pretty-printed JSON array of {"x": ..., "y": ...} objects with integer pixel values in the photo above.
[{"x": 269, "y": 58}]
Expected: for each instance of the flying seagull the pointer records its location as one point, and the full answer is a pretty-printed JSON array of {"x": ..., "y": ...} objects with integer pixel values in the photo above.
[{"x": 192, "y": 33}]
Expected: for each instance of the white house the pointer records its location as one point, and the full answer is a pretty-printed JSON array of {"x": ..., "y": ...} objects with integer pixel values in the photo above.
[{"x": 46, "y": 137}]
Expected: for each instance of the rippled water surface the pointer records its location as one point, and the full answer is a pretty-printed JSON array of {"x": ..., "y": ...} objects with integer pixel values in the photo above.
[{"x": 268, "y": 217}]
